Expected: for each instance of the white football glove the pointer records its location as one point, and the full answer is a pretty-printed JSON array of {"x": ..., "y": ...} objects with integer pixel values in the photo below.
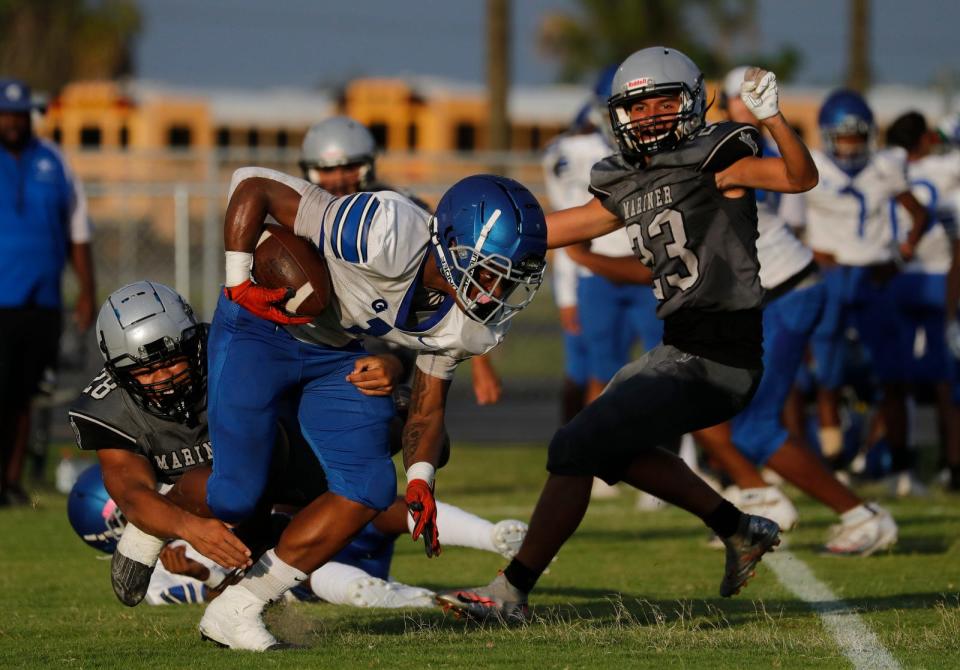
[
  {"x": 759, "y": 92},
  {"x": 953, "y": 337}
]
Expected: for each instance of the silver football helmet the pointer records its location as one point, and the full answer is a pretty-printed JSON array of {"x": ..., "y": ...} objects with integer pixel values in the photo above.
[
  {"x": 336, "y": 142},
  {"x": 144, "y": 327},
  {"x": 657, "y": 71}
]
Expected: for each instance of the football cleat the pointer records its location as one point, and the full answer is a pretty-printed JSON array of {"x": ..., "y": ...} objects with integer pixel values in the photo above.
[
  {"x": 507, "y": 537},
  {"x": 375, "y": 592},
  {"x": 234, "y": 621},
  {"x": 745, "y": 548},
  {"x": 769, "y": 502},
  {"x": 867, "y": 532},
  {"x": 130, "y": 579},
  {"x": 498, "y": 601},
  {"x": 906, "y": 485}
]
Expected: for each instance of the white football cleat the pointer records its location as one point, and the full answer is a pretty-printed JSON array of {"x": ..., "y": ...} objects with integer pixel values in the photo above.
[
  {"x": 872, "y": 529},
  {"x": 375, "y": 592},
  {"x": 234, "y": 620},
  {"x": 906, "y": 485},
  {"x": 647, "y": 502},
  {"x": 769, "y": 502},
  {"x": 603, "y": 491},
  {"x": 507, "y": 537}
]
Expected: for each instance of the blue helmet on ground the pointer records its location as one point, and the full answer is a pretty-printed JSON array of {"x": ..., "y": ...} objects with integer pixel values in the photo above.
[
  {"x": 847, "y": 128},
  {"x": 489, "y": 240},
  {"x": 93, "y": 514}
]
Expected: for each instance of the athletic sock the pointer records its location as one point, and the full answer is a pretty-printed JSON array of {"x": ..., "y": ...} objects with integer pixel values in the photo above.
[
  {"x": 856, "y": 515},
  {"x": 270, "y": 577},
  {"x": 139, "y": 546},
  {"x": 724, "y": 520},
  {"x": 332, "y": 582},
  {"x": 521, "y": 577},
  {"x": 459, "y": 528}
]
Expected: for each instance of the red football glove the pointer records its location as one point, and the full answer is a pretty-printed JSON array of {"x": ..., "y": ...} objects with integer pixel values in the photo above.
[
  {"x": 263, "y": 301},
  {"x": 423, "y": 509}
]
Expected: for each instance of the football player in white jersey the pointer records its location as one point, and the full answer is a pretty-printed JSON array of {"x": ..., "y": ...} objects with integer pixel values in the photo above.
[
  {"x": 922, "y": 286},
  {"x": 850, "y": 232},
  {"x": 339, "y": 155},
  {"x": 444, "y": 285}
]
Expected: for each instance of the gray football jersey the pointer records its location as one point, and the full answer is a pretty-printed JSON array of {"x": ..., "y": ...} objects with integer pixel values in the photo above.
[
  {"x": 106, "y": 417},
  {"x": 700, "y": 245}
]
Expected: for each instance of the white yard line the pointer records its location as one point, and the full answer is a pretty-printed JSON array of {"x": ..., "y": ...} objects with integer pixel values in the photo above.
[{"x": 855, "y": 639}]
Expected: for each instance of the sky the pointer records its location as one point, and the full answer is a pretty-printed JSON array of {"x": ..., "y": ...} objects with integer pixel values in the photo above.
[{"x": 311, "y": 43}]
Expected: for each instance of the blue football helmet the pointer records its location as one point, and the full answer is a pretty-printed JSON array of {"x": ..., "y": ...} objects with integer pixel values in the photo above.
[
  {"x": 93, "y": 514},
  {"x": 845, "y": 114},
  {"x": 489, "y": 240}
]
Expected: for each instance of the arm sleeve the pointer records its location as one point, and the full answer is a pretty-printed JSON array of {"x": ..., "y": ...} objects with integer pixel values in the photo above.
[
  {"x": 740, "y": 141},
  {"x": 314, "y": 202},
  {"x": 437, "y": 365},
  {"x": 564, "y": 279}
]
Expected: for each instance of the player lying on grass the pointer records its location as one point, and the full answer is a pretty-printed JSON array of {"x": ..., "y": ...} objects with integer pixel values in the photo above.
[
  {"x": 684, "y": 191},
  {"x": 359, "y": 577},
  {"x": 145, "y": 415}
]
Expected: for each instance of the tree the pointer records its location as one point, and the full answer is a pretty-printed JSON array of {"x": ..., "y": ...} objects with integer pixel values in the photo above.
[
  {"x": 52, "y": 42},
  {"x": 607, "y": 31}
]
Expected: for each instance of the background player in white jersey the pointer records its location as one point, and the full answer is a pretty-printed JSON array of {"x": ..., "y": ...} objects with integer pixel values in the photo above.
[
  {"x": 609, "y": 317},
  {"x": 850, "y": 232},
  {"x": 682, "y": 188},
  {"x": 793, "y": 305},
  {"x": 445, "y": 285},
  {"x": 921, "y": 288},
  {"x": 339, "y": 155}
]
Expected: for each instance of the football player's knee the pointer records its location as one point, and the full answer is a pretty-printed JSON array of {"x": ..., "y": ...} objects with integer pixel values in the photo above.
[{"x": 568, "y": 452}]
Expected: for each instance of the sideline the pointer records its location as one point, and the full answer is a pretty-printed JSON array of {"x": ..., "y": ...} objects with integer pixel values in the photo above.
[{"x": 857, "y": 642}]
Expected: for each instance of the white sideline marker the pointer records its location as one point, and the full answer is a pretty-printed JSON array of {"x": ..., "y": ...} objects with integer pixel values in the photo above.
[{"x": 857, "y": 642}]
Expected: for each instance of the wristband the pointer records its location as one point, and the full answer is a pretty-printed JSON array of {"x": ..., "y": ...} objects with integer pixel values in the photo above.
[
  {"x": 422, "y": 470},
  {"x": 215, "y": 579},
  {"x": 238, "y": 265}
]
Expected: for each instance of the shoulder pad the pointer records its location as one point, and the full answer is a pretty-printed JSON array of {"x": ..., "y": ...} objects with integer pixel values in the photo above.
[
  {"x": 605, "y": 175},
  {"x": 713, "y": 148},
  {"x": 100, "y": 418}
]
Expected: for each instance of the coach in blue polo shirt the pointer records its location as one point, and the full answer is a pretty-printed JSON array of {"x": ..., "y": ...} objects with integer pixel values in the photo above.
[{"x": 43, "y": 223}]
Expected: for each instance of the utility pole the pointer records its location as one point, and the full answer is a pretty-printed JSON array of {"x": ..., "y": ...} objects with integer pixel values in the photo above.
[
  {"x": 858, "y": 47},
  {"x": 498, "y": 72}
]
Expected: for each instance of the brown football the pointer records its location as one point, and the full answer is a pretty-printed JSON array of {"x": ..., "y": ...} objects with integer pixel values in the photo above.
[{"x": 283, "y": 260}]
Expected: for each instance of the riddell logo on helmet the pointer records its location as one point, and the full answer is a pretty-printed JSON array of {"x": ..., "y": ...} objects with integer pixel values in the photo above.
[{"x": 642, "y": 82}]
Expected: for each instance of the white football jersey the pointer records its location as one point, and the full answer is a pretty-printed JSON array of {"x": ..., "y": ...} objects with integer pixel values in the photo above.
[
  {"x": 849, "y": 217},
  {"x": 167, "y": 588},
  {"x": 375, "y": 246},
  {"x": 780, "y": 252},
  {"x": 566, "y": 169},
  {"x": 935, "y": 181}
]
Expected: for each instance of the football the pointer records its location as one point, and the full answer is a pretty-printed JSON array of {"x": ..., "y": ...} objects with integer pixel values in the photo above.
[{"x": 283, "y": 260}]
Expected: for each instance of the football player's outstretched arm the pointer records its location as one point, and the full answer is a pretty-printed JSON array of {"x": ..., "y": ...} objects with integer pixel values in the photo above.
[
  {"x": 620, "y": 270},
  {"x": 579, "y": 224},
  {"x": 794, "y": 171},
  {"x": 423, "y": 436},
  {"x": 131, "y": 483}
]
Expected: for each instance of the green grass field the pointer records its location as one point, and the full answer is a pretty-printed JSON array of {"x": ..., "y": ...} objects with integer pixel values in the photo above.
[{"x": 629, "y": 590}]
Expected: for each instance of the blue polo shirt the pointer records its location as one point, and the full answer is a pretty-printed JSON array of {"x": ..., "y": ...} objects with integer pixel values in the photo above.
[{"x": 37, "y": 200}]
